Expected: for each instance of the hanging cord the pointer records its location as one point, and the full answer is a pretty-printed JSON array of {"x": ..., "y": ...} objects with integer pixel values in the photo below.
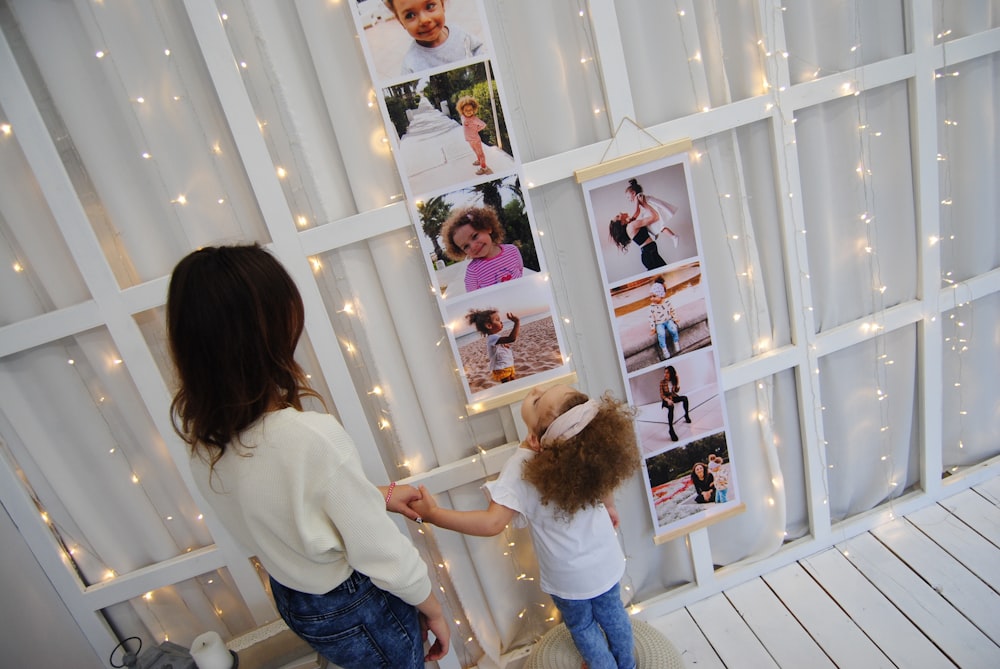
[{"x": 129, "y": 659}]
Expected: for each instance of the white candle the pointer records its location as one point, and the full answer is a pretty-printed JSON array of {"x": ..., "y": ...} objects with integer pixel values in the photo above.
[{"x": 209, "y": 652}]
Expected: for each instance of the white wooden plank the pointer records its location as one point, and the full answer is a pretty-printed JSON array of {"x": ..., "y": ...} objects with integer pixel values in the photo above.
[
  {"x": 776, "y": 627},
  {"x": 729, "y": 634},
  {"x": 957, "y": 584},
  {"x": 978, "y": 512},
  {"x": 961, "y": 541},
  {"x": 682, "y": 631},
  {"x": 870, "y": 610},
  {"x": 990, "y": 489},
  {"x": 951, "y": 631},
  {"x": 839, "y": 637}
]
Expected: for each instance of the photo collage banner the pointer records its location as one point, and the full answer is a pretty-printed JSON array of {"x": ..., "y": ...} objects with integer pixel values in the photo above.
[
  {"x": 442, "y": 103},
  {"x": 645, "y": 229}
]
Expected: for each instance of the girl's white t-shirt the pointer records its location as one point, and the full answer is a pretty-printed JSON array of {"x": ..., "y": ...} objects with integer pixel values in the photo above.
[{"x": 579, "y": 557}]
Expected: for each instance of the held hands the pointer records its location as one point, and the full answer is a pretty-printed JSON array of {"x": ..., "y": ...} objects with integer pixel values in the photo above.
[
  {"x": 399, "y": 500},
  {"x": 423, "y": 505}
]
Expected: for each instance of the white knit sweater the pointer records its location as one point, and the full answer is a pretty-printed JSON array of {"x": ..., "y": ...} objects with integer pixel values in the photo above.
[{"x": 292, "y": 491}]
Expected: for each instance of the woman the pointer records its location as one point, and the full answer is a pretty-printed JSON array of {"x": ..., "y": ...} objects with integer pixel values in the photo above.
[
  {"x": 288, "y": 483},
  {"x": 670, "y": 394},
  {"x": 704, "y": 483},
  {"x": 624, "y": 229}
]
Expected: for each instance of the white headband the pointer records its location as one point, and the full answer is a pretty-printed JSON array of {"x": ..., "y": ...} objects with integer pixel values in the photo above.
[{"x": 572, "y": 422}]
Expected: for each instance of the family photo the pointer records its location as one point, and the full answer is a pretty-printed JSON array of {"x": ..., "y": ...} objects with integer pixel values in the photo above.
[
  {"x": 661, "y": 316},
  {"x": 404, "y": 37},
  {"x": 689, "y": 482},
  {"x": 506, "y": 340},
  {"x": 477, "y": 237},
  {"x": 677, "y": 402},
  {"x": 642, "y": 222},
  {"x": 449, "y": 128}
]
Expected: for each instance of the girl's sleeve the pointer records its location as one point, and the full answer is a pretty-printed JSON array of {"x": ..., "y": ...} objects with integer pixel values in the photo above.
[
  {"x": 520, "y": 261},
  {"x": 505, "y": 490},
  {"x": 471, "y": 279}
]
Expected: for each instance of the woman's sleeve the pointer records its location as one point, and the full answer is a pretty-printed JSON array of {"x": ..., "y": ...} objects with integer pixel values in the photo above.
[{"x": 374, "y": 544}]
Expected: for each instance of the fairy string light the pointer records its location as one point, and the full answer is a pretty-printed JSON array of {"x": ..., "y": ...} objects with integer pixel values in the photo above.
[
  {"x": 170, "y": 94},
  {"x": 958, "y": 339},
  {"x": 737, "y": 227},
  {"x": 799, "y": 251}
]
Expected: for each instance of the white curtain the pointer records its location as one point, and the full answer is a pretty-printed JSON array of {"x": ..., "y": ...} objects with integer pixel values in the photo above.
[{"x": 155, "y": 149}]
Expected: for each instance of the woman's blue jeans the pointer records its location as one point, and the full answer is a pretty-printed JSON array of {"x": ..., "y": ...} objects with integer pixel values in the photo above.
[
  {"x": 661, "y": 335},
  {"x": 356, "y": 625},
  {"x": 601, "y": 629}
]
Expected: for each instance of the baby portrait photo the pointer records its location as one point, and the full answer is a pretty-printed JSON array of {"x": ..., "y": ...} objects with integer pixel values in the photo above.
[
  {"x": 477, "y": 237},
  {"x": 506, "y": 340},
  {"x": 690, "y": 483},
  {"x": 448, "y": 128},
  {"x": 644, "y": 220},
  {"x": 405, "y": 37},
  {"x": 677, "y": 402},
  {"x": 661, "y": 316}
]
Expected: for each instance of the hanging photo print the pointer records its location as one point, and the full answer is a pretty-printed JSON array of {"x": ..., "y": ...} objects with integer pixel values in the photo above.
[
  {"x": 443, "y": 112},
  {"x": 645, "y": 230},
  {"x": 506, "y": 338}
]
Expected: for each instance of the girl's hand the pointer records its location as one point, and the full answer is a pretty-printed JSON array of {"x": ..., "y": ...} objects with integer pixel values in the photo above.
[
  {"x": 511, "y": 317},
  {"x": 424, "y": 505}
]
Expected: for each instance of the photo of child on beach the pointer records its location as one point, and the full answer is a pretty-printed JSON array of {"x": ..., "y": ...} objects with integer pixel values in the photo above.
[
  {"x": 410, "y": 36},
  {"x": 448, "y": 128},
  {"x": 642, "y": 220},
  {"x": 690, "y": 483},
  {"x": 506, "y": 340},
  {"x": 477, "y": 237},
  {"x": 661, "y": 316},
  {"x": 678, "y": 399}
]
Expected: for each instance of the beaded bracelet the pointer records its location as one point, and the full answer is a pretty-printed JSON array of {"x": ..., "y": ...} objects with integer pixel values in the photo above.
[{"x": 389, "y": 493}]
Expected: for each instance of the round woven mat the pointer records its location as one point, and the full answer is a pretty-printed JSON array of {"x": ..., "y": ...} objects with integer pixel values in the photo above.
[{"x": 555, "y": 650}]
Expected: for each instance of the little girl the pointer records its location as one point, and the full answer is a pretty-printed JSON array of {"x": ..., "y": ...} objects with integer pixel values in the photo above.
[
  {"x": 721, "y": 488},
  {"x": 635, "y": 194},
  {"x": 489, "y": 324},
  {"x": 434, "y": 41},
  {"x": 561, "y": 482},
  {"x": 469, "y": 108},
  {"x": 476, "y": 233}
]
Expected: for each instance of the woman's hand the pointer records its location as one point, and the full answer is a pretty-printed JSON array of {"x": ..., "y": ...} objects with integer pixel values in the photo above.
[
  {"x": 400, "y": 499},
  {"x": 432, "y": 619}
]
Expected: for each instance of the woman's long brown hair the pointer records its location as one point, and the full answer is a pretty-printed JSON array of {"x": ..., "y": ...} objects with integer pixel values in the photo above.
[{"x": 234, "y": 317}]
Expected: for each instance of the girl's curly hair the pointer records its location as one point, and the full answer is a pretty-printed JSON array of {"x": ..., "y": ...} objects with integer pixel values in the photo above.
[
  {"x": 580, "y": 471},
  {"x": 480, "y": 218},
  {"x": 465, "y": 101},
  {"x": 479, "y": 318}
]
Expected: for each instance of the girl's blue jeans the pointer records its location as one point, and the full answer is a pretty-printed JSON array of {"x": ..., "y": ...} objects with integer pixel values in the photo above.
[
  {"x": 601, "y": 629},
  {"x": 661, "y": 335},
  {"x": 356, "y": 625}
]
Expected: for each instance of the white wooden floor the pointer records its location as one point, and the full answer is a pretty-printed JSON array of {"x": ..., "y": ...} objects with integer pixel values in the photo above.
[{"x": 921, "y": 591}]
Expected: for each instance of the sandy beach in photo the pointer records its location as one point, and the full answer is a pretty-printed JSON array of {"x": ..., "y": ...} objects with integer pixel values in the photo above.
[{"x": 536, "y": 350}]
